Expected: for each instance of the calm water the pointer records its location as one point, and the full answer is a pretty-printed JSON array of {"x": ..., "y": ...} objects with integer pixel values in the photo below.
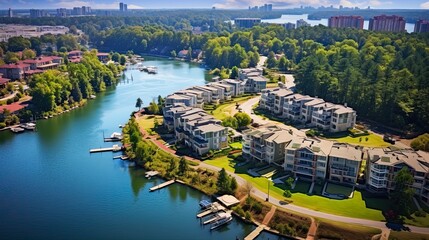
[
  {"x": 409, "y": 27},
  {"x": 52, "y": 188}
]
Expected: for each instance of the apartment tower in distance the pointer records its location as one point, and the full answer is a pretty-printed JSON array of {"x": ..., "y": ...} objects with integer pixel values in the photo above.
[
  {"x": 123, "y": 7},
  {"x": 421, "y": 26},
  {"x": 10, "y": 13},
  {"x": 385, "y": 23},
  {"x": 346, "y": 22},
  {"x": 246, "y": 22}
]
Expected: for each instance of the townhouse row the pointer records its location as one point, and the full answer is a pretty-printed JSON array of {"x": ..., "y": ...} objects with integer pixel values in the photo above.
[
  {"x": 304, "y": 109},
  {"x": 312, "y": 159},
  {"x": 196, "y": 128},
  {"x": 250, "y": 81}
]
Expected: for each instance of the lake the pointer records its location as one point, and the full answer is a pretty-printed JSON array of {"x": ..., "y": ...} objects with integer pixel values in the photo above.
[{"x": 52, "y": 188}]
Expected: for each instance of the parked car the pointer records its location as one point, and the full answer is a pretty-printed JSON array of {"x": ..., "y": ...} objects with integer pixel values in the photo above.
[{"x": 389, "y": 139}]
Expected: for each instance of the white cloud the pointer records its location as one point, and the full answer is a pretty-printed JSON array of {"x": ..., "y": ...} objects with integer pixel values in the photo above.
[{"x": 425, "y": 5}]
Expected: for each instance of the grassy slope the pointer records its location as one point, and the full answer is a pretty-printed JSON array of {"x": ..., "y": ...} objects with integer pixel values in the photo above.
[{"x": 224, "y": 110}]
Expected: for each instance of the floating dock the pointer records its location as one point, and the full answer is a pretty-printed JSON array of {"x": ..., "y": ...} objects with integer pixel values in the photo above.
[
  {"x": 162, "y": 185},
  {"x": 114, "y": 148},
  {"x": 254, "y": 233},
  {"x": 216, "y": 207},
  {"x": 151, "y": 174}
]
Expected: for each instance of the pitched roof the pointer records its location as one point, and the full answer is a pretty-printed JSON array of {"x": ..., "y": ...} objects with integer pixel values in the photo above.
[
  {"x": 346, "y": 151},
  {"x": 417, "y": 160}
]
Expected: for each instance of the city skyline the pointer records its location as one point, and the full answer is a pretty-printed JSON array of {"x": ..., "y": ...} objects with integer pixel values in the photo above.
[{"x": 237, "y": 4}]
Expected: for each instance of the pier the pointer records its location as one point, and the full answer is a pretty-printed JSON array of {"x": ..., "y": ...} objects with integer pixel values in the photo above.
[
  {"x": 255, "y": 233},
  {"x": 216, "y": 207},
  {"x": 114, "y": 148},
  {"x": 162, "y": 185},
  {"x": 151, "y": 174}
]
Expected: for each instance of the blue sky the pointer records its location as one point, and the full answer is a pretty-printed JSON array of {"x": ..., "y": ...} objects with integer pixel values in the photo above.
[{"x": 113, "y": 4}]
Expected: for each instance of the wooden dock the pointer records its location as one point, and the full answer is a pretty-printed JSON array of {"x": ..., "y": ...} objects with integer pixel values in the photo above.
[
  {"x": 162, "y": 185},
  {"x": 255, "y": 233},
  {"x": 216, "y": 207},
  {"x": 114, "y": 148}
]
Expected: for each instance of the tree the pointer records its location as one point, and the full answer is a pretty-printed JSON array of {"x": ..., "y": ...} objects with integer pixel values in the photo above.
[
  {"x": 243, "y": 119},
  {"x": 153, "y": 107},
  {"x": 283, "y": 64},
  {"x": 421, "y": 142},
  {"x": 11, "y": 57},
  {"x": 402, "y": 195},
  {"x": 223, "y": 183},
  {"x": 122, "y": 60},
  {"x": 115, "y": 57},
  {"x": 234, "y": 73},
  {"x": 139, "y": 103},
  {"x": 230, "y": 122},
  {"x": 287, "y": 193},
  {"x": 183, "y": 166},
  {"x": 28, "y": 54},
  {"x": 271, "y": 60},
  {"x": 233, "y": 185},
  {"x": 16, "y": 44}
]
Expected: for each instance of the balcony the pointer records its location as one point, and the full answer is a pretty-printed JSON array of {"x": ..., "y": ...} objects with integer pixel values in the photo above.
[
  {"x": 378, "y": 178},
  {"x": 304, "y": 171},
  {"x": 379, "y": 170}
]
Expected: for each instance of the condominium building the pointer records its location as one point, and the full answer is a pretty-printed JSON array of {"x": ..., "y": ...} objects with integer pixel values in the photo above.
[
  {"x": 226, "y": 90},
  {"x": 273, "y": 99},
  {"x": 346, "y": 22},
  {"x": 422, "y": 26},
  {"x": 172, "y": 113},
  {"x": 200, "y": 131},
  {"x": 302, "y": 23},
  {"x": 385, "y": 23},
  {"x": 308, "y": 158},
  {"x": 266, "y": 144},
  {"x": 255, "y": 84},
  {"x": 384, "y": 164},
  {"x": 246, "y": 22},
  {"x": 210, "y": 94},
  {"x": 176, "y": 98},
  {"x": 15, "y": 71},
  {"x": 344, "y": 163},
  {"x": 245, "y": 73},
  {"x": 237, "y": 86},
  {"x": 292, "y": 106},
  {"x": 308, "y": 108}
]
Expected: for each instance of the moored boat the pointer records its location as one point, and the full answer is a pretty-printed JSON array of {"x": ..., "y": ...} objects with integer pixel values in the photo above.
[
  {"x": 223, "y": 218},
  {"x": 17, "y": 129}
]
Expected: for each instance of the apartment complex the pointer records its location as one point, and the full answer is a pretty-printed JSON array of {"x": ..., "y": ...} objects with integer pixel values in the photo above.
[
  {"x": 29, "y": 67},
  {"x": 307, "y": 110},
  {"x": 196, "y": 128},
  {"x": 266, "y": 144},
  {"x": 385, "y": 23},
  {"x": 246, "y": 22},
  {"x": 308, "y": 158},
  {"x": 344, "y": 163},
  {"x": 422, "y": 26},
  {"x": 384, "y": 164},
  {"x": 346, "y": 22}
]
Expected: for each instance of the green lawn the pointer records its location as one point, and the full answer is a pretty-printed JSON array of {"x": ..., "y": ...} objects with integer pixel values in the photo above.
[
  {"x": 236, "y": 145},
  {"x": 338, "y": 189},
  {"x": 373, "y": 140},
  {"x": 224, "y": 110},
  {"x": 147, "y": 121},
  {"x": 301, "y": 187},
  {"x": 360, "y": 206}
]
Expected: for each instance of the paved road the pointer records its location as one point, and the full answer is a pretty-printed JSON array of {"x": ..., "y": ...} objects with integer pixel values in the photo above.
[
  {"x": 9, "y": 97},
  {"x": 258, "y": 193},
  {"x": 262, "y": 60}
]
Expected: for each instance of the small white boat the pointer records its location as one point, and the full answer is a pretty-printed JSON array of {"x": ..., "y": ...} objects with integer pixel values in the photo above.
[
  {"x": 223, "y": 218},
  {"x": 29, "y": 126},
  {"x": 116, "y": 135},
  {"x": 17, "y": 129}
]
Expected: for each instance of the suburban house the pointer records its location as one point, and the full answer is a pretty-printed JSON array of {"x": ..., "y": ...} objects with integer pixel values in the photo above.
[
  {"x": 307, "y": 158},
  {"x": 103, "y": 57},
  {"x": 43, "y": 63},
  {"x": 344, "y": 163},
  {"x": 75, "y": 56},
  {"x": 16, "y": 71},
  {"x": 384, "y": 164},
  {"x": 266, "y": 144},
  {"x": 183, "y": 54}
]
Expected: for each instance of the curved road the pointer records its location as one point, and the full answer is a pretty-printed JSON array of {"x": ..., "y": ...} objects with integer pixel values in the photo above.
[{"x": 247, "y": 108}]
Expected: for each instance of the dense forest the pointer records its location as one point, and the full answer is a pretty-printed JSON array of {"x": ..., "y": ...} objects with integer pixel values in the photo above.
[{"x": 384, "y": 76}]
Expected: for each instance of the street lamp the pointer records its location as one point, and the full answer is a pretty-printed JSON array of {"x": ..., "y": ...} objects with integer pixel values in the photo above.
[{"x": 268, "y": 197}]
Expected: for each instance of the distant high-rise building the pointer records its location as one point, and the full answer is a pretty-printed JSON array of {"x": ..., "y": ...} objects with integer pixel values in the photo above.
[
  {"x": 301, "y": 23},
  {"x": 61, "y": 12},
  {"x": 86, "y": 10},
  {"x": 123, "y": 7},
  {"x": 36, "y": 13},
  {"x": 421, "y": 26},
  {"x": 77, "y": 11},
  {"x": 10, "y": 13},
  {"x": 287, "y": 26},
  {"x": 341, "y": 7},
  {"x": 270, "y": 7},
  {"x": 346, "y": 22},
  {"x": 246, "y": 22},
  {"x": 385, "y": 23}
]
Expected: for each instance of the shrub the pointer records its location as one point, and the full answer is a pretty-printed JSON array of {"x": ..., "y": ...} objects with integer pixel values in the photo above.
[
  {"x": 16, "y": 98},
  {"x": 10, "y": 101},
  {"x": 421, "y": 142},
  {"x": 420, "y": 213},
  {"x": 2, "y": 125},
  {"x": 248, "y": 216}
]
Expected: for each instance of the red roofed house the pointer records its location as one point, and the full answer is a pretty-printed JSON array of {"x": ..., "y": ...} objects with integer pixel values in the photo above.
[
  {"x": 14, "y": 107},
  {"x": 183, "y": 54},
  {"x": 3, "y": 81},
  {"x": 74, "y": 53},
  {"x": 42, "y": 63},
  {"x": 103, "y": 57},
  {"x": 14, "y": 71}
]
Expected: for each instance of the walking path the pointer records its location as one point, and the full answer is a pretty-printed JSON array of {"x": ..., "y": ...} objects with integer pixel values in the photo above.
[
  {"x": 269, "y": 215},
  {"x": 279, "y": 203},
  {"x": 313, "y": 230}
]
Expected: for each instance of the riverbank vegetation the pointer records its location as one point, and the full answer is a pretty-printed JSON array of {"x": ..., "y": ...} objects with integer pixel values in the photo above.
[
  {"x": 337, "y": 230},
  {"x": 56, "y": 90}
]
